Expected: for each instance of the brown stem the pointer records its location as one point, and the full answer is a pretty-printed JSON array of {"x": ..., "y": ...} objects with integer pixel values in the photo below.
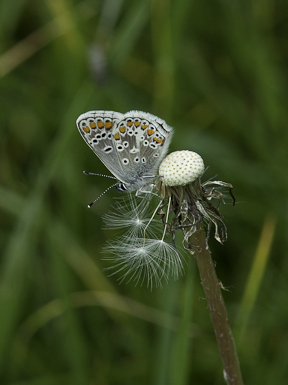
[{"x": 218, "y": 312}]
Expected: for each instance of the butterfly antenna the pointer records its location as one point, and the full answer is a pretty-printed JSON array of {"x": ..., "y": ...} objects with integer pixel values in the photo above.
[
  {"x": 92, "y": 173},
  {"x": 104, "y": 192}
]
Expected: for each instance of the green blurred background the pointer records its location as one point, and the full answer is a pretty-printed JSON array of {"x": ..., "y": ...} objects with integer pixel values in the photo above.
[{"x": 217, "y": 72}]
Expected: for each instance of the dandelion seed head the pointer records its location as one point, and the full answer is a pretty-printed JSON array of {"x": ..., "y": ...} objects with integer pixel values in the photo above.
[
  {"x": 191, "y": 200},
  {"x": 180, "y": 168}
]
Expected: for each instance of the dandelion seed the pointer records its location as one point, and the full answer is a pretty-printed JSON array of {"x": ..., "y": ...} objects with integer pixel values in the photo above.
[
  {"x": 133, "y": 214},
  {"x": 140, "y": 260}
]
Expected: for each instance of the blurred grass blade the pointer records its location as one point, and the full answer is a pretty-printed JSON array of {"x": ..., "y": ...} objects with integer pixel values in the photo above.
[
  {"x": 181, "y": 352},
  {"x": 38, "y": 39},
  {"x": 19, "y": 253},
  {"x": 164, "y": 56},
  {"x": 72, "y": 347},
  {"x": 109, "y": 301},
  {"x": 127, "y": 33},
  {"x": 10, "y": 201},
  {"x": 163, "y": 355},
  {"x": 256, "y": 274},
  {"x": 9, "y": 15}
]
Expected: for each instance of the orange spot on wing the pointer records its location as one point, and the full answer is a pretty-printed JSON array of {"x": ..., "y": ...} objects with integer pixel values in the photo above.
[
  {"x": 150, "y": 132},
  {"x": 129, "y": 123},
  {"x": 158, "y": 140},
  {"x": 136, "y": 124},
  {"x": 122, "y": 129},
  {"x": 92, "y": 125},
  {"x": 144, "y": 126},
  {"x": 100, "y": 124},
  {"x": 108, "y": 125},
  {"x": 117, "y": 136},
  {"x": 86, "y": 129},
  {"x": 163, "y": 141}
]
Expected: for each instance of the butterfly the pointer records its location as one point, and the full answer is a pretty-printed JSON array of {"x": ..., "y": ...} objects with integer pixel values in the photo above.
[{"x": 130, "y": 145}]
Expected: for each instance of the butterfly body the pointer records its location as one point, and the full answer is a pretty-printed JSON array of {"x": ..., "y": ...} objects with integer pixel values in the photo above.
[{"x": 130, "y": 145}]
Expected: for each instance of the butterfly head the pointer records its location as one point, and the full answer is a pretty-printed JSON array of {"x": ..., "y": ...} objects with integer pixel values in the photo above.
[{"x": 121, "y": 187}]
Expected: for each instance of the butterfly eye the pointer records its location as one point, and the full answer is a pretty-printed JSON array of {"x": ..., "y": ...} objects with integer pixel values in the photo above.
[{"x": 121, "y": 187}]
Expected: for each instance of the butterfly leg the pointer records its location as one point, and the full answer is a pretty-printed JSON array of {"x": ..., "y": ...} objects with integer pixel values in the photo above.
[{"x": 146, "y": 192}]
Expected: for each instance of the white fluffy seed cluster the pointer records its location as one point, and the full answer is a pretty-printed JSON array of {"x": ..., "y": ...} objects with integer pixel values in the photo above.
[{"x": 180, "y": 168}]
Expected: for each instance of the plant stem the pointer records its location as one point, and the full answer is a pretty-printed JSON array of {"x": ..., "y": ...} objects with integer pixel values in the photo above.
[{"x": 218, "y": 312}]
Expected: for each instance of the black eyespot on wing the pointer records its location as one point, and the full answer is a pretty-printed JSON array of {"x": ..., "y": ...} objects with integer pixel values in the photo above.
[{"x": 107, "y": 149}]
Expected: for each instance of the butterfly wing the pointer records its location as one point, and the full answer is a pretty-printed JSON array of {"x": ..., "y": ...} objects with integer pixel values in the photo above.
[
  {"x": 131, "y": 146},
  {"x": 96, "y": 128},
  {"x": 141, "y": 141}
]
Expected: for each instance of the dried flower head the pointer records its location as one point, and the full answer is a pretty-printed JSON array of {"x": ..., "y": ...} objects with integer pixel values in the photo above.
[
  {"x": 188, "y": 199},
  {"x": 180, "y": 168}
]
